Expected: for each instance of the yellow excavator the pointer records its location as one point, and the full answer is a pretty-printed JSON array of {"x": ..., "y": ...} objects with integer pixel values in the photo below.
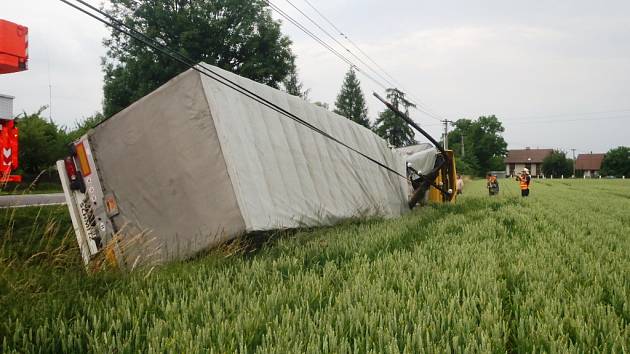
[{"x": 436, "y": 183}]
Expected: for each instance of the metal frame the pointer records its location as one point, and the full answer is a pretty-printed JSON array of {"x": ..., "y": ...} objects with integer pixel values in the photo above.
[
  {"x": 92, "y": 226},
  {"x": 75, "y": 215}
]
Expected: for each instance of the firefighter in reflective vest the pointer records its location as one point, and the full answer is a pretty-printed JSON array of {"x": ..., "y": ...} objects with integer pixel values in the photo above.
[
  {"x": 493, "y": 184},
  {"x": 524, "y": 180}
]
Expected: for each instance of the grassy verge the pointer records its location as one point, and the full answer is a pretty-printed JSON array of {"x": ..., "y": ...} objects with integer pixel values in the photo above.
[
  {"x": 503, "y": 274},
  {"x": 34, "y": 188}
]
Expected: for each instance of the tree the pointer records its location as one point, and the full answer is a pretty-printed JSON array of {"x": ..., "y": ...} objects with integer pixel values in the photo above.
[
  {"x": 41, "y": 143},
  {"x": 557, "y": 164},
  {"x": 617, "y": 162},
  {"x": 293, "y": 86},
  {"x": 351, "y": 101},
  {"x": 236, "y": 35},
  {"x": 391, "y": 127},
  {"x": 467, "y": 165},
  {"x": 484, "y": 147},
  {"x": 322, "y": 104},
  {"x": 84, "y": 125}
]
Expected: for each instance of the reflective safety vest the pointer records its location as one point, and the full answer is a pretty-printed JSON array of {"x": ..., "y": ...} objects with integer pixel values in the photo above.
[
  {"x": 492, "y": 182},
  {"x": 523, "y": 182}
]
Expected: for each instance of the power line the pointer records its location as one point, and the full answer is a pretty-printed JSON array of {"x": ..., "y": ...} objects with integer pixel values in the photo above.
[
  {"x": 314, "y": 37},
  {"x": 326, "y": 45},
  {"x": 322, "y": 42},
  {"x": 303, "y": 28},
  {"x": 423, "y": 107},
  {"x": 204, "y": 70},
  {"x": 341, "y": 33},
  {"x": 341, "y": 44},
  {"x": 329, "y": 47},
  {"x": 311, "y": 34}
]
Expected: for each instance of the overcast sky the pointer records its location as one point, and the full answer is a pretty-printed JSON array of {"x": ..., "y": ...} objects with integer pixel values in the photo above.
[{"x": 557, "y": 73}]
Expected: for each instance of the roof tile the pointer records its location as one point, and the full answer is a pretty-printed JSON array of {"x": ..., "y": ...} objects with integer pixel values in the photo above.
[
  {"x": 589, "y": 162},
  {"x": 527, "y": 155}
]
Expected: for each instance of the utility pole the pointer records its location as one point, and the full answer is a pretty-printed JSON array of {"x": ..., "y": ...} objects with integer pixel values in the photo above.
[
  {"x": 573, "y": 162},
  {"x": 463, "y": 151},
  {"x": 50, "y": 102},
  {"x": 446, "y": 121},
  {"x": 445, "y": 142}
]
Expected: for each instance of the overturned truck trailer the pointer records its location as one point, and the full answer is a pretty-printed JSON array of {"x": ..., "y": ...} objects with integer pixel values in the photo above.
[{"x": 196, "y": 163}]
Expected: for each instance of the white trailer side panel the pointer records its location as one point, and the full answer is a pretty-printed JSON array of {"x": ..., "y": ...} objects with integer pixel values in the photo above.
[{"x": 286, "y": 175}]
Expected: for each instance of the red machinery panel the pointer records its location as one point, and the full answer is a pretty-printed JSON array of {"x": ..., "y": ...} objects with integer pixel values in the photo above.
[
  {"x": 8, "y": 151},
  {"x": 13, "y": 47}
]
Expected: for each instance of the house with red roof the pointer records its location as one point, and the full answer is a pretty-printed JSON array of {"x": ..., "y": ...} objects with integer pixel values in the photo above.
[
  {"x": 528, "y": 158},
  {"x": 589, "y": 164}
]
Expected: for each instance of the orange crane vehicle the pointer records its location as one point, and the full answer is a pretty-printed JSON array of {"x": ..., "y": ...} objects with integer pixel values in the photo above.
[{"x": 13, "y": 58}]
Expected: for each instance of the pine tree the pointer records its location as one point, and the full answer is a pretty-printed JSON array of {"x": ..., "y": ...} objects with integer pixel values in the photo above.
[
  {"x": 292, "y": 84},
  {"x": 391, "y": 127},
  {"x": 351, "y": 102}
]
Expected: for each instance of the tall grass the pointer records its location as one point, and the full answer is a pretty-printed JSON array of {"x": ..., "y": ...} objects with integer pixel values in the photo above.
[
  {"x": 46, "y": 181},
  {"x": 502, "y": 274}
]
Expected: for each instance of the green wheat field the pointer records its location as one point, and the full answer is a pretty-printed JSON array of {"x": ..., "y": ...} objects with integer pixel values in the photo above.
[{"x": 550, "y": 273}]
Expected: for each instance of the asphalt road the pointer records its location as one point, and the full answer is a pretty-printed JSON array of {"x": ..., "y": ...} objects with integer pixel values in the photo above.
[{"x": 23, "y": 200}]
